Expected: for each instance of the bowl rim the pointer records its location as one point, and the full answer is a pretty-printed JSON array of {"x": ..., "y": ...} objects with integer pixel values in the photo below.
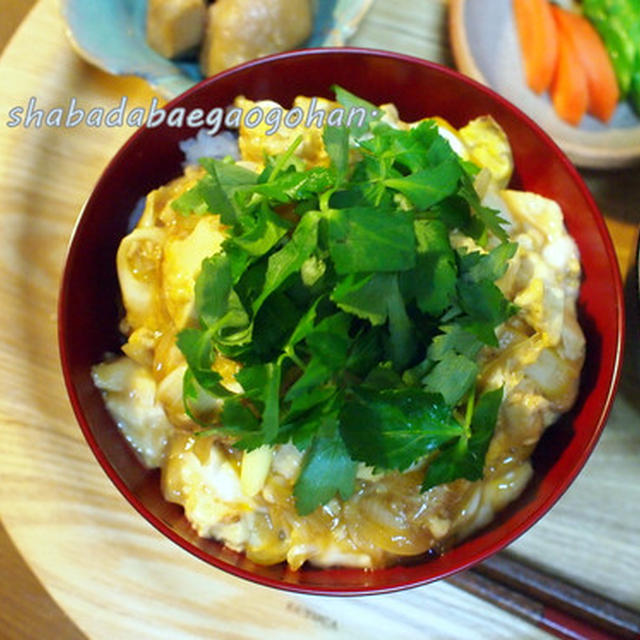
[{"x": 553, "y": 496}]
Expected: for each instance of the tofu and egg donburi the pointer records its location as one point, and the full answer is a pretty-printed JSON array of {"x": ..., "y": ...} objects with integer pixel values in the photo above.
[{"x": 344, "y": 344}]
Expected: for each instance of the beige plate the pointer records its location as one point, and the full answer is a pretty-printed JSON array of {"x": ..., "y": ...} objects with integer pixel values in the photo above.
[{"x": 486, "y": 48}]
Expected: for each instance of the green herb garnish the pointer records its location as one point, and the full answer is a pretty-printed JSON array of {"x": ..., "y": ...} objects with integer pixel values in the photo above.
[{"x": 356, "y": 323}]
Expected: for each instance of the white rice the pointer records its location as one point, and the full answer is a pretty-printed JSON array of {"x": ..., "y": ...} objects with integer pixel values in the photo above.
[{"x": 204, "y": 145}]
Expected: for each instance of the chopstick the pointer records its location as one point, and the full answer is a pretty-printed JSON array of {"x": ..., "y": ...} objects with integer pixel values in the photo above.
[{"x": 548, "y": 602}]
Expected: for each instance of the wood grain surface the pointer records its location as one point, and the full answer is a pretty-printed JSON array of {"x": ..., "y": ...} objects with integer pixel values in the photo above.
[
  {"x": 28, "y": 611},
  {"x": 109, "y": 571}
]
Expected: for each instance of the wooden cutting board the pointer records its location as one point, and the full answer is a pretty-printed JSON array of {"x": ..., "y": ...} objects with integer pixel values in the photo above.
[{"x": 111, "y": 572}]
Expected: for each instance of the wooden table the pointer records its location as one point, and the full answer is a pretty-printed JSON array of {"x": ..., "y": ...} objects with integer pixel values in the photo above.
[{"x": 110, "y": 572}]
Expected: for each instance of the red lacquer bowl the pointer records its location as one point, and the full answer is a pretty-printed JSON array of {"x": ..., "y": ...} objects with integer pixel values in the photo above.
[{"x": 89, "y": 308}]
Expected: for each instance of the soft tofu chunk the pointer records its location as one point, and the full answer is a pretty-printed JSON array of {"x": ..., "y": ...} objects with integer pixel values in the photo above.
[
  {"x": 241, "y": 30},
  {"x": 175, "y": 27},
  {"x": 181, "y": 265},
  {"x": 130, "y": 395}
]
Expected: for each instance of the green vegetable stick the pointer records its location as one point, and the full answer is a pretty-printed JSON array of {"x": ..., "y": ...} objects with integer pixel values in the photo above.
[{"x": 612, "y": 20}]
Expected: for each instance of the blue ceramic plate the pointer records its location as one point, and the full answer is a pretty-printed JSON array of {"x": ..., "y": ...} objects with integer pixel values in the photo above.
[{"x": 110, "y": 34}]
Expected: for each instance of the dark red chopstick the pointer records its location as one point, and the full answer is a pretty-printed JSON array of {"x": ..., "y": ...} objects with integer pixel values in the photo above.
[{"x": 548, "y": 602}]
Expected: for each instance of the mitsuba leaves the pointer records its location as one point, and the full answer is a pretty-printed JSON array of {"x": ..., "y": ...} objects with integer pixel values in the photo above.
[
  {"x": 365, "y": 295},
  {"x": 428, "y": 186},
  {"x": 355, "y": 324},
  {"x": 260, "y": 236},
  {"x": 465, "y": 458},
  {"x": 457, "y": 339},
  {"x": 315, "y": 374},
  {"x": 489, "y": 217},
  {"x": 349, "y": 101},
  {"x": 192, "y": 202},
  {"x": 217, "y": 197},
  {"x": 401, "y": 329},
  {"x": 363, "y": 239},
  {"x": 392, "y": 428},
  {"x": 271, "y": 411},
  {"x": 213, "y": 288},
  {"x": 329, "y": 341},
  {"x": 452, "y": 377},
  {"x": 239, "y": 419},
  {"x": 476, "y": 266},
  {"x": 198, "y": 352},
  {"x": 336, "y": 142},
  {"x": 293, "y": 186},
  {"x": 291, "y": 257},
  {"x": 484, "y": 302},
  {"x": 433, "y": 282},
  {"x": 327, "y": 470},
  {"x": 214, "y": 192},
  {"x": 229, "y": 174}
]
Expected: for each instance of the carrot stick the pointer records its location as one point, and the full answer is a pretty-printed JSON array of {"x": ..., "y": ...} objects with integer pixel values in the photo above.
[
  {"x": 538, "y": 36},
  {"x": 569, "y": 92},
  {"x": 602, "y": 85}
]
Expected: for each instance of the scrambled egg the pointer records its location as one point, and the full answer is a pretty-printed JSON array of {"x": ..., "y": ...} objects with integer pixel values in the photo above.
[
  {"x": 245, "y": 500},
  {"x": 256, "y": 142}
]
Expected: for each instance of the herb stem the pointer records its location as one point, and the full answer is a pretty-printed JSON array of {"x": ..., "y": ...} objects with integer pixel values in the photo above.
[
  {"x": 290, "y": 353},
  {"x": 469, "y": 412},
  {"x": 284, "y": 158},
  {"x": 323, "y": 200}
]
